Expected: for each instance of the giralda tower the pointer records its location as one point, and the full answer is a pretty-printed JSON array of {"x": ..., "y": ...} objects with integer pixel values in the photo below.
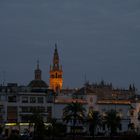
[{"x": 56, "y": 79}]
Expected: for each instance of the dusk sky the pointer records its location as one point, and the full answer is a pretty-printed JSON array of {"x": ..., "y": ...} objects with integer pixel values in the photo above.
[{"x": 96, "y": 38}]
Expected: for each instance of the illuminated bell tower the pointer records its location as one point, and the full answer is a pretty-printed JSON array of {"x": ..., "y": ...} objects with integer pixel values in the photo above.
[{"x": 56, "y": 80}]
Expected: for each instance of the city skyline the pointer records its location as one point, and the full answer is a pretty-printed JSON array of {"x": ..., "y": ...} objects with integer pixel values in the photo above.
[{"x": 96, "y": 40}]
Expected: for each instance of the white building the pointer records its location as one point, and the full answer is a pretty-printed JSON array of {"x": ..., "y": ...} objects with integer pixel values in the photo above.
[{"x": 18, "y": 103}]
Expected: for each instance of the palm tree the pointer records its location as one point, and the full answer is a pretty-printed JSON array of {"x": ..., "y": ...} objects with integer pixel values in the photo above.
[
  {"x": 37, "y": 120},
  {"x": 112, "y": 120},
  {"x": 58, "y": 128},
  {"x": 74, "y": 112},
  {"x": 95, "y": 120},
  {"x": 1, "y": 130}
]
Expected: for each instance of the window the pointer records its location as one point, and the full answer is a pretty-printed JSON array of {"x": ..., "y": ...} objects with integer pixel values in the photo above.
[
  {"x": 24, "y": 99},
  {"x": 103, "y": 126},
  {"x": 32, "y": 109},
  {"x": 49, "y": 111},
  {"x": 103, "y": 110},
  {"x": 0, "y": 110},
  {"x": 40, "y": 100},
  {"x": 91, "y": 99},
  {"x": 120, "y": 126},
  {"x": 25, "y": 109},
  {"x": 56, "y": 75},
  {"x": 40, "y": 108},
  {"x": 12, "y": 113},
  {"x": 52, "y": 76},
  {"x": 12, "y": 99},
  {"x": 32, "y": 100}
]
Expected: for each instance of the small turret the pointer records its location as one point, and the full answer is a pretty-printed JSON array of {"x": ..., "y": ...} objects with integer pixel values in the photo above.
[{"x": 38, "y": 72}]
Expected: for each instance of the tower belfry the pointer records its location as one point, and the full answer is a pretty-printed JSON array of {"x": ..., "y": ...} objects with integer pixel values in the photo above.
[{"x": 56, "y": 80}]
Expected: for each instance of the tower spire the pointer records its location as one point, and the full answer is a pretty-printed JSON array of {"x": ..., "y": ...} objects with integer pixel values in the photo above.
[
  {"x": 37, "y": 64},
  {"x": 56, "y": 58},
  {"x": 55, "y": 46},
  {"x": 38, "y": 72},
  {"x": 56, "y": 72}
]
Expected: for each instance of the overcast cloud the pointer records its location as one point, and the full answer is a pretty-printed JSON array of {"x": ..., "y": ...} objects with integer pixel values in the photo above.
[{"x": 99, "y": 38}]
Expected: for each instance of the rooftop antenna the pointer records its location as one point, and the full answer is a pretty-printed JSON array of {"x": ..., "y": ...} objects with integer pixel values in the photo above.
[
  {"x": 3, "y": 76},
  {"x": 38, "y": 63},
  {"x": 85, "y": 79},
  {"x": 85, "y": 76}
]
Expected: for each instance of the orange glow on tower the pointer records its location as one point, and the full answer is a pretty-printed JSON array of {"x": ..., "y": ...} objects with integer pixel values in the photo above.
[{"x": 56, "y": 80}]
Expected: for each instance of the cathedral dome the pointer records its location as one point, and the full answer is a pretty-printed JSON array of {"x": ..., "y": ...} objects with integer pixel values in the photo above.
[{"x": 38, "y": 84}]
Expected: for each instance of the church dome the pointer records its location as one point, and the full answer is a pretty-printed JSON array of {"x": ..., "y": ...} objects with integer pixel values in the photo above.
[{"x": 38, "y": 84}]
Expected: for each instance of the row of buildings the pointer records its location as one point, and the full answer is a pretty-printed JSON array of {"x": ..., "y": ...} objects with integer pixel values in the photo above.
[{"x": 18, "y": 102}]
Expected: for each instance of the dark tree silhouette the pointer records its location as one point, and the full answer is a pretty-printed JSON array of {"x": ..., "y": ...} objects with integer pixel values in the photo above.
[
  {"x": 74, "y": 112},
  {"x": 94, "y": 120},
  {"x": 113, "y": 120},
  {"x": 37, "y": 120}
]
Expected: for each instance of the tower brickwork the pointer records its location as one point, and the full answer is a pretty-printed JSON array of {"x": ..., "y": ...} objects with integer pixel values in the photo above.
[{"x": 56, "y": 79}]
